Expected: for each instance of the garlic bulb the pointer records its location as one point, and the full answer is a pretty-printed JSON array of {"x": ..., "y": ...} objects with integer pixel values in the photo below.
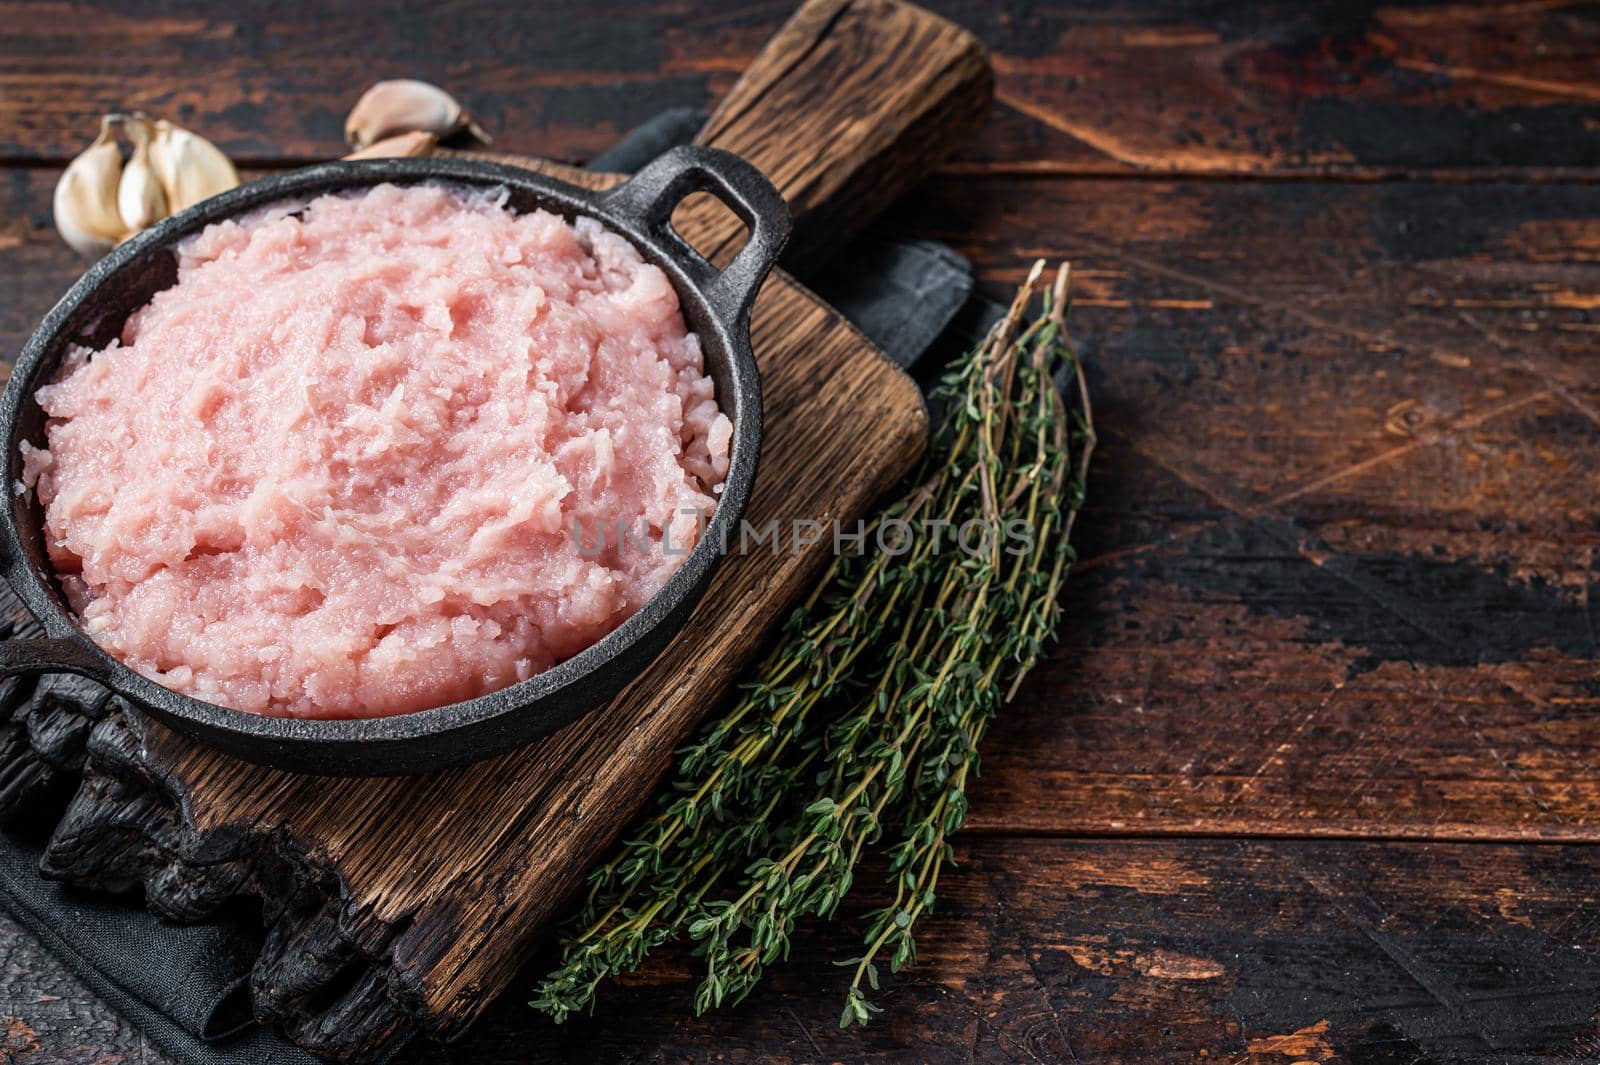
[
  {"x": 85, "y": 203},
  {"x": 140, "y": 199},
  {"x": 190, "y": 167},
  {"x": 100, "y": 201},
  {"x": 406, "y": 105}
]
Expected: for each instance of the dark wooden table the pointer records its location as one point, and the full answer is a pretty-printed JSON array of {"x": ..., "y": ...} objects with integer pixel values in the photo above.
[{"x": 1315, "y": 772}]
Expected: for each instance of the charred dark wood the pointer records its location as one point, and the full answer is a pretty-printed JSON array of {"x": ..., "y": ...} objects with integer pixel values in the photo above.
[
  {"x": 1217, "y": 677},
  {"x": 1162, "y": 86},
  {"x": 399, "y": 906},
  {"x": 396, "y": 906},
  {"x": 1339, "y": 566},
  {"x": 366, "y": 926},
  {"x": 42, "y": 741},
  {"x": 324, "y": 983},
  {"x": 1176, "y": 951}
]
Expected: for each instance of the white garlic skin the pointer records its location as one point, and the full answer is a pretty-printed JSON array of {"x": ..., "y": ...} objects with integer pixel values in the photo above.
[
  {"x": 189, "y": 167},
  {"x": 400, "y": 146},
  {"x": 141, "y": 201},
  {"x": 85, "y": 200},
  {"x": 101, "y": 201},
  {"x": 406, "y": 105}
]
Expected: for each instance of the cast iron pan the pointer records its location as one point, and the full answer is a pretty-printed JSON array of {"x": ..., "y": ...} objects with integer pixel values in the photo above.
[{"x": 716, "y": 305}]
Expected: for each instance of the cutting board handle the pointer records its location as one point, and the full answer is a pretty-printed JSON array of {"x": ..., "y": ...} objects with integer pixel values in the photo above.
[{"x": 847, "y": 107}]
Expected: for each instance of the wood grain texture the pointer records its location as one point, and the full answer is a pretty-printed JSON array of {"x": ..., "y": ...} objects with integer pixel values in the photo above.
[
  {"x": 404, "y": 905},
  {"x": 1111, "y": 951},
  {"x": 865, "y": 81},
  {"x": 1340, "y": 564},
  {"x": 1347, "y": 461},
  {"x": 407, "y": 904},
  {"x": 1161, "y": 86},
  {"x": 1340, "y": 555}
]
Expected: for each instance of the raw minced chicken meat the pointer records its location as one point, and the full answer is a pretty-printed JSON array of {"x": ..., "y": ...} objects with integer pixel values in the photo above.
[{"x": 373, "y": 454}]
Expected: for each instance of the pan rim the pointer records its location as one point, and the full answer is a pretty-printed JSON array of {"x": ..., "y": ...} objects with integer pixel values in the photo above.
[{"x": 354, "y": 736}]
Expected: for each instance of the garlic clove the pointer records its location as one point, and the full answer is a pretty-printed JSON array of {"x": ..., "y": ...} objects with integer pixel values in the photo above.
[
  {"x": 189, "y": 167},
  {"x": 140, "y": 199},
  {"x": 85, "y": 202},
  {"x": 400, "y": 145},
  {"x": 405, "y": 105}
]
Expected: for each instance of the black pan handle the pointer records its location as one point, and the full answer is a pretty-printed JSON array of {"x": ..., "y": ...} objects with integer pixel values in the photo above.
[
  {"x": 61, "y": 655},
  {"x": 648, "y": 198}
]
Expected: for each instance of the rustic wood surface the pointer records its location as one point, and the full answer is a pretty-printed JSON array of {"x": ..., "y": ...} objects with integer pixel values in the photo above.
[
  {"x": 428, "y": 892},
  {"x": 1315, "y": 772}
]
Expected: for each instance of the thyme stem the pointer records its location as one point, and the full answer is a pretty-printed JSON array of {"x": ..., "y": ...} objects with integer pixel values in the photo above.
[{"x": 871, "y": 707}]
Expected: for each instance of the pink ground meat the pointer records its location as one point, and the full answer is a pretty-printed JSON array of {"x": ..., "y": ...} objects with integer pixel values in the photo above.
[{"x": 335, "y": 471}]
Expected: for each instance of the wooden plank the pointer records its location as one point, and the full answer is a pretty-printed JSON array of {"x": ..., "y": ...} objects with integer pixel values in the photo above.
[
  {"x": 1311, "y": 324},
  {"x": 1356, "y": 89},
  {"x": 1341, "y": 541},
  {"x": 36, "y": 268},
  {"x": 1260, "y": 299},
  {"x": 1272, "y": 347},
  {"x": 402, "y": 905},
  {"x": 1264, "y": 953},
  {"x": 1417, "y": 305},
  {"x": 1508, "y": 87},
  {"x": 432, "y": 888},
  {"x": 849, "y": 106},
  {"x": 1341, "y": 550}
]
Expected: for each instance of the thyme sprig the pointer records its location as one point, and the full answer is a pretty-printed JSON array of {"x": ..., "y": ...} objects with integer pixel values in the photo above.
[{"x": 865, "y": 718}]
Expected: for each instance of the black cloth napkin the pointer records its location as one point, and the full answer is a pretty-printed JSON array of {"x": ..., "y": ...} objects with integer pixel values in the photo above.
[{"x": 186, "y": 986}]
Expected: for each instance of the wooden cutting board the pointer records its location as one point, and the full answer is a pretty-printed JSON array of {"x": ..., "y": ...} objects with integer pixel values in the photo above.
[{"x": 404, "y": 905}]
